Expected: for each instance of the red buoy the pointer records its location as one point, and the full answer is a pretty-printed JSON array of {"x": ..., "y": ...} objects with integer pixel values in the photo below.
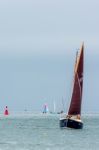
[{"x": 6, "y": 112}]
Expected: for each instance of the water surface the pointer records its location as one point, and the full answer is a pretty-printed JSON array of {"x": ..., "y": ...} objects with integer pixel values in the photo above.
[{"x": 42, "y": 132}]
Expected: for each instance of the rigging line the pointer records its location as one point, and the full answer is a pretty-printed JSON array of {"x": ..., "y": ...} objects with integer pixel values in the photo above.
[{"x": 79, "y": 84}]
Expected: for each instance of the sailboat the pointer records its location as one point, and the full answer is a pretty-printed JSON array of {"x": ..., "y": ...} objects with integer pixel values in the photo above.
[
  {"x": 45, "y": 109},
  {"x": 54, "y": 105},
  {"x": 73, "y": 118}
]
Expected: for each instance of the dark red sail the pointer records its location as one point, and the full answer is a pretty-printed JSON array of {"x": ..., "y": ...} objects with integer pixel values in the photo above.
[{"x": 75, "y": 105}]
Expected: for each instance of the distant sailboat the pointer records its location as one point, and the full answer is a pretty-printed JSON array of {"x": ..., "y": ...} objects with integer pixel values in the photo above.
[
  {"x": 73, "y": 119},
  {"x": 54, "y": 108},
  {"x": 45, "y": 109},
  {"x": 6, "y": 112},
  {"x": 54, "y": 105}
]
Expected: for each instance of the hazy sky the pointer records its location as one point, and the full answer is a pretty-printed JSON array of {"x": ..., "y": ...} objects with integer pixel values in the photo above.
[{"x": 38, "y": 42}]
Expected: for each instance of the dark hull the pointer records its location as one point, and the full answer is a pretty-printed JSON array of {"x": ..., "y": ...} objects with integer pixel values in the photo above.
[{"x": 70, "y": 123}]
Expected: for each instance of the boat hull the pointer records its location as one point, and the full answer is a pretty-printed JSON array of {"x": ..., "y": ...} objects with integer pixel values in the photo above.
[{"x": 70, "y": 123}]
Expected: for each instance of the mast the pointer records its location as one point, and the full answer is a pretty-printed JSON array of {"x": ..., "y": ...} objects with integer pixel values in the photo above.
[
  {"x": 75, "y": 105},
  {"x": 54, "y": 107}
]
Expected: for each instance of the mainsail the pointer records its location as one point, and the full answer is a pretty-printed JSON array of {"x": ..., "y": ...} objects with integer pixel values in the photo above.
[{"x": 75, "y": 105}]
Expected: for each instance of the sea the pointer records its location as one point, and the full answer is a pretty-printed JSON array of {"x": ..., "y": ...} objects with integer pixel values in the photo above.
[{"x": 37, "y": 131}]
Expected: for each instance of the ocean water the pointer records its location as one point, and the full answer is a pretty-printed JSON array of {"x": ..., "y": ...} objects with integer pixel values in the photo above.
[{"x": 42, "y": 132}]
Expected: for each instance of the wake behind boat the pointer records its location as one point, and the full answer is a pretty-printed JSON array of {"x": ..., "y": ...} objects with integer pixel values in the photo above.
[{"x": 73, "y": 119}]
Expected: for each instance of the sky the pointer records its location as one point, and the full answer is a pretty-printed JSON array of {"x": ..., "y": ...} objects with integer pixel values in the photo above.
[{"x": 38, "y": 43}]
